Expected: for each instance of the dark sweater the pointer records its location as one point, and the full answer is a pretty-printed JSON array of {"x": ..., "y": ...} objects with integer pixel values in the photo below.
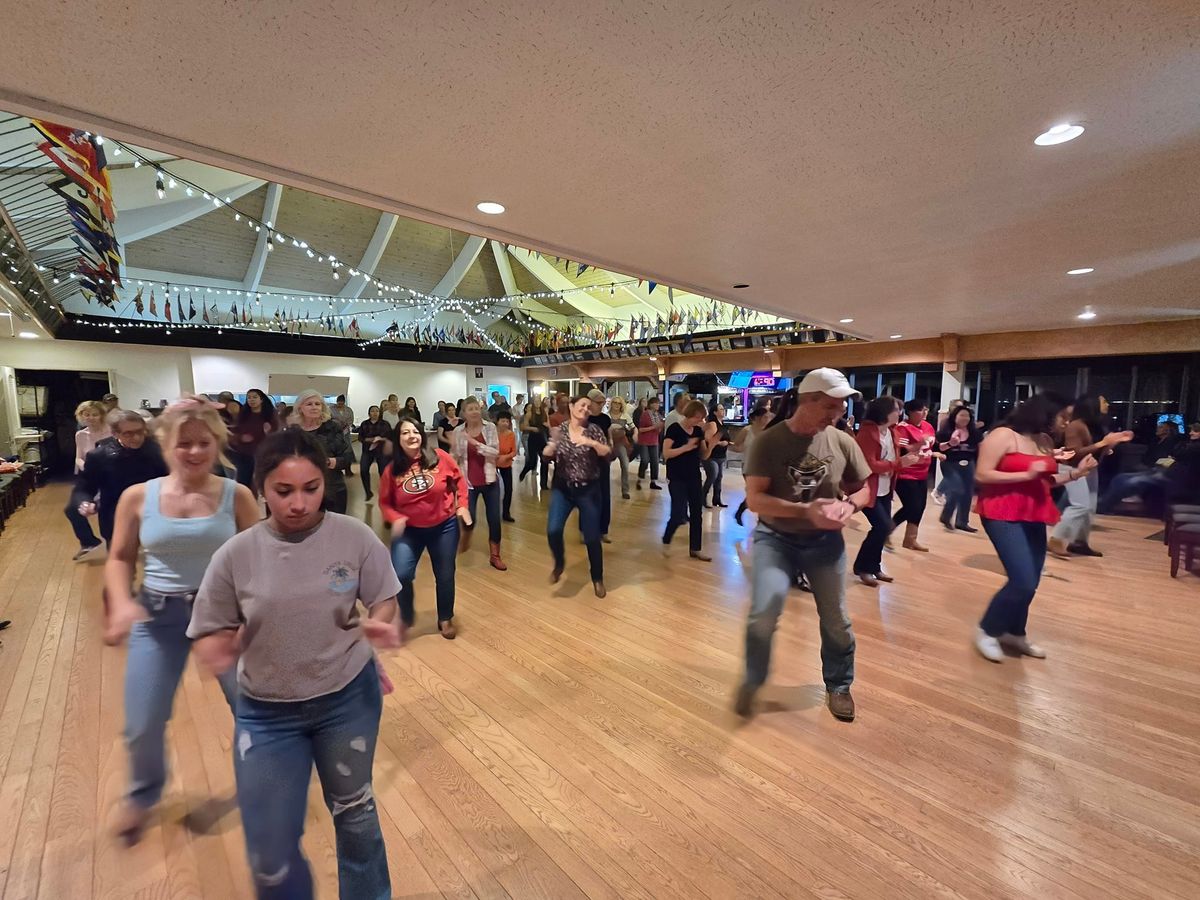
[{"x": 109, "y": 469}]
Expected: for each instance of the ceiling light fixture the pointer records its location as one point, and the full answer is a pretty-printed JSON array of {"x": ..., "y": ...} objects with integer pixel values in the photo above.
[
  {"x": 738, "y": 287},
  {"x": 490, "y": 207},
  {"x": 1059, "y": 134},
  {"x": 28, "y": 335},
  {"x": 768, "y": 350},
  {"x": 845, "y": 321},
  {"x": 1088, "y": 313},
  {"x": 654, "y": 359},
  {"x": 895, "y": 336},
  {"x": 1086, "y": 270}
]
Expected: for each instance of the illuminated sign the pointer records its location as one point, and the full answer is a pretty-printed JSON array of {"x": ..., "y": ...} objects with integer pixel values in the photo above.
[{"x": 763, "y": 381}]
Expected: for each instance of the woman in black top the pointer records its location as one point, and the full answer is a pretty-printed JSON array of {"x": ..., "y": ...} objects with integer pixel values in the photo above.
[
  {"x": 959, "y": 440},
  {"x": 313, "y": 416},
  {"x": 577, "y": 448},
  {"x": 449, "y": 422},
  {"x": 716, "y": 435},
  {"x": 684, "y": 448},
  {"x": 533, "y": 424},
  {"x": 375, "y": 436}
]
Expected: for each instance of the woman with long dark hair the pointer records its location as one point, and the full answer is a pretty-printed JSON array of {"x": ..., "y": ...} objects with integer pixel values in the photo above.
[
  {"x": 375, "y": 437},
  {"x": 256, "y": 420},
  {"x": 577, "y": 448},
  {"x": 450, "y": 421},
  {"x": 959, "y": 440},
  {"x": 423, "y": 499},
  {"x": 1016, "y": 469},
  {"x": 412, "y": 410},
  {"x": 280, "y": 601},
  {"x": 313, "y": 416},
  {"x": 876, "y": 438},
  {"x": 716, "y": 435},
  {"x": 1088, "y": 435},
  {"x": 535, "y": 427}
]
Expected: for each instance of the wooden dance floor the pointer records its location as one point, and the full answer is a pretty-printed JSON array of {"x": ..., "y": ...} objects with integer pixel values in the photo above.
[{"x": 567, "y": 747}]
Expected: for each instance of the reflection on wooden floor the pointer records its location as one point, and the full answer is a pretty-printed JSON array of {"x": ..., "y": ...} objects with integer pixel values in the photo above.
[{"x": 565, "y": 746}]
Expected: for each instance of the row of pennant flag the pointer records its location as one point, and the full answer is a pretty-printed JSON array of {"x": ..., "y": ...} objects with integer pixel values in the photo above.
[{"x": 87, "y": 192}]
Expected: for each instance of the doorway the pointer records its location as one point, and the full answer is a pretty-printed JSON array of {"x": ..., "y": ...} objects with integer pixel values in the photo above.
[{"x": 46, "y": 401}]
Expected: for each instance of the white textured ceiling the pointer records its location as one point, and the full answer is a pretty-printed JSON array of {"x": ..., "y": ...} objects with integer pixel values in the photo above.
[{"x": 872, "y": 160}]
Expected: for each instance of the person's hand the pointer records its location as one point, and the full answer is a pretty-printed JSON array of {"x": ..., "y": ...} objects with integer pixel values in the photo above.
[
  {"x": 830, "y": 515},
  {"x": 1117, "y": 437},
  {"x": 332, "y": 462},
  {"x": 954, "y": 441},
  {"x": 1043, "y": 465},
  {"x": 1087, "y": 465},
  {"x": 693, "y": 443},
  {"x": 87, "y": 508},
  {"x": 121, "y": 616},
  {"x": 398, "y": 527},
  {"x": 464, "y": 516},
  {"x": 550, "y": 449},
  {"x": 909, "y": 459},
  {"x": 937, "y": 455},
  {"x": 383, "y": 635},
  {"x": 1062, "y": 454}
]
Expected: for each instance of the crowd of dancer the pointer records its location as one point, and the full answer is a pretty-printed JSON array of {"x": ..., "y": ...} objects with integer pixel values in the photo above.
[{"x": 238, "y": 510}]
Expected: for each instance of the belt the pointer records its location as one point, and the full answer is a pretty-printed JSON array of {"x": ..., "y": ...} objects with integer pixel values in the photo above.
[{"x": 156, "y": 600}]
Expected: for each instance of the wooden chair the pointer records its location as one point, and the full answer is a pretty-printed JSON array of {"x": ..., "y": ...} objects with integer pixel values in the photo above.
[{"x": 1185, "y": 538}]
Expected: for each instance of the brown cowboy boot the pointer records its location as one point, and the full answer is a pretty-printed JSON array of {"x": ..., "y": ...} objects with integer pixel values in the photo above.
[{"x": 496, "y": 561}]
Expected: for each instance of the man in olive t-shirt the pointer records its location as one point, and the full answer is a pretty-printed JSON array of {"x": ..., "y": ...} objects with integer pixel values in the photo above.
[{"x": 804, "y": 480}]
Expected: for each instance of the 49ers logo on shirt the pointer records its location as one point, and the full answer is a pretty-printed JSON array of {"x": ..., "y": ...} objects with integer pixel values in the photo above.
[{"x": 417, "y": 482}]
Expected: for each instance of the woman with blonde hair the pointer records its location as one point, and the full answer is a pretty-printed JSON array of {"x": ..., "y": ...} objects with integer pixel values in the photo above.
[
  {"x": 94, "y": 430},
  {"x": 619, "y": 434},
  {"x": 475, "y": 447},
  {"x": 313, "y": 416},
  {"x": 179, "y": 521}
]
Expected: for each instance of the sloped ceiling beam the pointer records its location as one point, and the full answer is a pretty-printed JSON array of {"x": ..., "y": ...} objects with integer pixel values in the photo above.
[
  {"x": 258, "y": 259},
  {"x": 505, "y": 267},
  {"x": 556, "y": 281},
  {"x": 371, "y": 256},
  {"x": 525, "y": 308},
  {"x": 459, "y": 268}
]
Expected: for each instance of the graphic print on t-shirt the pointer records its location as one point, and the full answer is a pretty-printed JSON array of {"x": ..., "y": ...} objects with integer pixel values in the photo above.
[
  {"x": 807, "y": 475},
  {"x": 417, "y": 482},
  {"x": 342, "y": 577}
]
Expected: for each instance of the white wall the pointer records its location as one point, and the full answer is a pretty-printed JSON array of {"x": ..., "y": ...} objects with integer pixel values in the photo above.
[{"x": 156, "y": 373}]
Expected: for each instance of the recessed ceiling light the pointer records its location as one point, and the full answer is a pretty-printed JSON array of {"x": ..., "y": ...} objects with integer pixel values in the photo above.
[
  {"x": 1087, "y": 314},
  {"x": 895, "y": 336},
  {"x": 654, "y": 359},
  {"x": 768, "y": 350},
  {"x": 1086, "y": 270},
  {"x": 738, "y": 287},
  {"x": 28, "y": 335},
  {"x": 491, "y": 207},
  {"x": 1059, "y": 134},
  {"x": 845, "y": 321}
]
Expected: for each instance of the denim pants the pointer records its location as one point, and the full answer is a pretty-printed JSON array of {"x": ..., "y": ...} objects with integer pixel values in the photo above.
[
  {"x": 491, "y": 508},
  {"x": 870, "y": 553},
  {"x": 1129, "y": 484},
  {"x": 621, "y": 452},
  {"x": 586, "y": 499},
  {"x": 1075, "y": 526},
  {"x": 687, "y": 505},
  {"x": 442, "y": 543},
  {"x": 79, "y": 523},
  {"x": 777, "y": 559},
  {"x": 1021, "y": 547},
  {"x": 158, "y": 652},
  {"x": 913, "y": 495},
  {"x": 714, "y": 474},
  {"x": 958, "y": 487},
  {"x": 649, "y": 456},
  {"x": 276, "y": 747}
]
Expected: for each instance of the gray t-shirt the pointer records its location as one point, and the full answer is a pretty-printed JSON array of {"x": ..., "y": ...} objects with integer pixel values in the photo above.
[
  {"x": 804, "y": 467},
  {"x": 297, "y": 596}
]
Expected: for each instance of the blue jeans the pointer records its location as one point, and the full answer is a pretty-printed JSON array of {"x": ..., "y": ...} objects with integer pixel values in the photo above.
[
  {"x": 586, "y": 499},
  {"x": 442, "y": 543},
  {"x": 1021, "y": 547},
  {"x": 648, "y": 454},
  {"x": 958, "y": 487},
  {"x": 1127, "y": 484},
  {"x": 870, "y": 553},
  {"x": 276, "y": 747},
  {"x": 491, "y": 508},
  {"x": 158, "y": 652},
  {"x": 777, "y": 559},
  {"x": 714, "y": 474}
]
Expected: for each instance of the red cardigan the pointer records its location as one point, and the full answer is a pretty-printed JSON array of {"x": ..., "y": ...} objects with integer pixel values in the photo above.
[{"x": 869, "y": 443}]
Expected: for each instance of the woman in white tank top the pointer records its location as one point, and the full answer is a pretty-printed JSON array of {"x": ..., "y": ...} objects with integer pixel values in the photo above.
[{"x": 179, "y": 521}]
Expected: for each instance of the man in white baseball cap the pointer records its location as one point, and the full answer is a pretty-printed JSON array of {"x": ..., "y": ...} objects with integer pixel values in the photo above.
[{"x": 804, "y": 480}]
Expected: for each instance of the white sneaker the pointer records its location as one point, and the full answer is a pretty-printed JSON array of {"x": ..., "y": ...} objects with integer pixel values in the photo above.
[
  {"x": 1022, "y": 646},
  {"x": 988, "y": 646}
]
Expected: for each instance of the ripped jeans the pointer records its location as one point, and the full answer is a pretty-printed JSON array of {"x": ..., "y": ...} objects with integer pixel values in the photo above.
[{"x": 276, "y": 746}]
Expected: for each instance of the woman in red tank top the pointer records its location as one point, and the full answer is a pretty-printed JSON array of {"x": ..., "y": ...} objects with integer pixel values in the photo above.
[{"x": 1016, "y": 469}]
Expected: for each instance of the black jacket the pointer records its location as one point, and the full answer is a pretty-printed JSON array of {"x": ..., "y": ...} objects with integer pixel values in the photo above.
[{"x": 110, "y": 468}]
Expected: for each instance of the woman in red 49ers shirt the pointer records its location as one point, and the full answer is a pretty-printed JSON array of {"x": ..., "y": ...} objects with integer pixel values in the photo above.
[
  {"x": 914, "y": 436},
  {"x": 423, "y": 498}
]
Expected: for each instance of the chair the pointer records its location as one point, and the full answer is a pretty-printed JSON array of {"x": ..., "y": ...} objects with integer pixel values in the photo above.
[
  {"x": 1184, "y": 541},
  {"x": 1180, "y": 514}
]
